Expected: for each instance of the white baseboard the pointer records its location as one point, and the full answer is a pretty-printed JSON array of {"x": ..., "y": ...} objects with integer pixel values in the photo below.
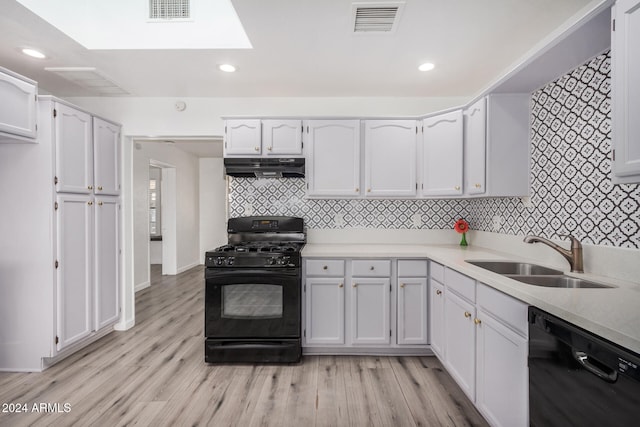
[
  {"x": 188, "y": 267},
  {"x": 143, "y": 285}
]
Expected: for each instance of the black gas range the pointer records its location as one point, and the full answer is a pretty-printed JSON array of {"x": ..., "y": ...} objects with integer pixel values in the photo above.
[{"x": 253, "y": 292}]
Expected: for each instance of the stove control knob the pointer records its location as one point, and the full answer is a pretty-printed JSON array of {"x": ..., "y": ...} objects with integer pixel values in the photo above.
[
  {"x": 272, "y": 261},
  {"x": 219, "y": 260},
  {"x": 283, "y": 260},
  {"x": 230, "y": 260}
]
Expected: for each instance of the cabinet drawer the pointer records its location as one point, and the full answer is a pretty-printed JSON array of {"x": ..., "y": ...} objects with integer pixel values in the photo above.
[
  {"x": 506, "y": 309},
  {"x": 412, "y": 268},
  {"x": 463, "y": 285},
  {"x": 325, "y": 267},
  {"x": 371, "y": 268},
  {"x": 437, "y": 271}
]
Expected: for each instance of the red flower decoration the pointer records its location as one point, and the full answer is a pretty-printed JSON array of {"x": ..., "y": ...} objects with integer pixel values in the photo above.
[{"x": 461, "y": 226}]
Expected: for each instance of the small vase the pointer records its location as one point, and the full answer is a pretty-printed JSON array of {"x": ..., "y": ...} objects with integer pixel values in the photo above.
[{"x": 463, "y": 242}]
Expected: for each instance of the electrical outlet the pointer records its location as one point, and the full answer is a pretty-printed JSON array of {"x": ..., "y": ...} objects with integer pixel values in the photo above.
[
  {"x": 338, "y": 220},
  {"x": 248, "y": 209},
  {"x": 526, "y": 201},
  {"x": 416, "y": 220},
  {"x": 496, "y": 224}
]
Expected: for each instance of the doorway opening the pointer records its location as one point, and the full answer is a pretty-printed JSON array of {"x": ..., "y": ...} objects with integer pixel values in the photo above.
[{"x": 162, "y": 218}]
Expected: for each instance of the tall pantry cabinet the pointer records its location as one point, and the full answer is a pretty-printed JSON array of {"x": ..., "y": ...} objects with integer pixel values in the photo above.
[{"x": 62, "y": 285}]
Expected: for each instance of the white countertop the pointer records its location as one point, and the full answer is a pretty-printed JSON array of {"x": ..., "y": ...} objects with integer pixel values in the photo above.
[{"x": 613, "y": 313}]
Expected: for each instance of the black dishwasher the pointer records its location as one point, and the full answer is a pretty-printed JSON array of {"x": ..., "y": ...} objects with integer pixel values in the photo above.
[{"x": 579, "y": 379}]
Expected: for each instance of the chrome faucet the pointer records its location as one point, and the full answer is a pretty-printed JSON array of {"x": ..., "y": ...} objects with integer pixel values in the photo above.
[{"x": 574, "y": 256}]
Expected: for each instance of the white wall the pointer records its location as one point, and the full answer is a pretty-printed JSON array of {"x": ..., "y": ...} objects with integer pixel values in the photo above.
[
  {"x": 187, "y": 206},
  {"x": 213, "y": 209}
]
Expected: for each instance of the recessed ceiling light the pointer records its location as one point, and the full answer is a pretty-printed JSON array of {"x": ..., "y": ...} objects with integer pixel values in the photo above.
[
  {"x": 427, "y": 66},
  {"x": 227, "y": 68},
  {"x": 33, "y": 53}
]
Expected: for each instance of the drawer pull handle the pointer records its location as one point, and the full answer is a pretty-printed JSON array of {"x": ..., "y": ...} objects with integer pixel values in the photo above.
[
  {"x": 467, "y": 314},
  {"x": 477, "y": 321},
  {"x": 372, "y": 268},
  {"x": 438, "y": 292},
  {"x": 325, "y": 267}
]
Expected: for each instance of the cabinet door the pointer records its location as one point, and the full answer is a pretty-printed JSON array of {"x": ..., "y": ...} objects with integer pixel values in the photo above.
[
  {"x": 74, "y": 273},
  {"x": 324, "y": 311},
  {"x": 442, "y": 158},
  {"x": 106, "y": 153},
  {"x": 475, "y": 140},
  {"x": 242, "y": 137},
  {"x": 370, "y": 311},
  {"x": 436, "y": 319},
  {"x": 412, "y": 311},
  {"x": 282, "y": 137},
  {"x": 390, "y": 158},
  {"x": 18, "y": 106},
  {"x": 625, "y": 91},
  {"x": 74, "y": 150},
  {"x": 107, "y": 265},
  {"x": 460, "y": 333},
  {"x": 502, "y": 380},
  {"x": 333, "y": 158}
]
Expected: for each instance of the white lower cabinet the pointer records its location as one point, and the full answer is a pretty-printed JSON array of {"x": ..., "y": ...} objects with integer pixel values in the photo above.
[
  {"x": 324, "y": 298},
  {"x": 370, "y": 310},
  {"x": 460, "y": 333},
  {"x": 481, "y": 337},
  {"x": 364, "y": 303}
]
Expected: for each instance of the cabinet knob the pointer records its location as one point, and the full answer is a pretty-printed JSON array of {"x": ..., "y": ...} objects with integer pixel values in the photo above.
[
  {"x": 269, "y": 148},
  {"x": 341, "y": 285},
  {"x": 457, "y": 187},
  {"x": 99, "y": 203},
  {"x": 438, "y": 292},
  {"x": 100, "y": 188},
  {"x": 325, "y": 267},
  {"x": 467, "y": 314},
  {"x": 257, "y": 148},
  {"x": 90, "y": 203},
  {"x": 368, "y": 190},
  {"x": 355, "y": 285},
  {"x": 372, "y": 268},
  {"x": 478, "y": 185},
  {"x": 90, "y": 187},
  {"x": 357, "y": 190},
  {"x": 477, "y": 321},
  {"x": 402, "y": 285}
]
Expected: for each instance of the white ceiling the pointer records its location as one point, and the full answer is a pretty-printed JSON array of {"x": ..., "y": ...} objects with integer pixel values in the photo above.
[{"x": 306, "y": 48}]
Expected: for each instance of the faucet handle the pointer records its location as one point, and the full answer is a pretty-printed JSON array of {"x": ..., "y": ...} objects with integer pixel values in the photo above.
[{"x": 575, "y": 243}]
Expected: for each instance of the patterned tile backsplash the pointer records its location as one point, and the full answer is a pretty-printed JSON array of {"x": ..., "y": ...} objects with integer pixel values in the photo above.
[{"x": 571, "y": 191}]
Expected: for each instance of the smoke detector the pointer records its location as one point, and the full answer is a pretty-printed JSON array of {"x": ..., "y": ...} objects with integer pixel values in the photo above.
[{"x": 375, "y": 17}]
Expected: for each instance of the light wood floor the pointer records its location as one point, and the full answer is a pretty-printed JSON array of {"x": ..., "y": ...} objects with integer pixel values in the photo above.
[{"x": 154, "y": 374}]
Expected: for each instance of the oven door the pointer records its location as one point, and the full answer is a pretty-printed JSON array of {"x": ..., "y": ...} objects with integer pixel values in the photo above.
[{"x": 252, "y": 304}]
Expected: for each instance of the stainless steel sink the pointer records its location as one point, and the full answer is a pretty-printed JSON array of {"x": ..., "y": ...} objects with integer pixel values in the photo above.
[
  {"x": 515, "y": 268},
  {"x": 558, "y": 281}
]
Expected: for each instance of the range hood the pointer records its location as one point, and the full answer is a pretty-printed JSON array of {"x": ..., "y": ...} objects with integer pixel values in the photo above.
[{"x": 264, "y": 168}]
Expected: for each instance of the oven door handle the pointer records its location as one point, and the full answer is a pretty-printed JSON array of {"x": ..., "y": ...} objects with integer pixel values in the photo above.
[
  {"x": 583, "y": 359},
  {"x": 235, "y": 272}
]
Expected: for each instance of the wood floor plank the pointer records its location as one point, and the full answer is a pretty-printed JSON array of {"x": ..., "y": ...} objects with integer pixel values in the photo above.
[{"x": 154, "y": 374}]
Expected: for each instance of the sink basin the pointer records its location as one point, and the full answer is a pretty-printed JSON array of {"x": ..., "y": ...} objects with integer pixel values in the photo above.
[
  {"x": 558, "y": 281},
  {"x": 515, "y": 268}
]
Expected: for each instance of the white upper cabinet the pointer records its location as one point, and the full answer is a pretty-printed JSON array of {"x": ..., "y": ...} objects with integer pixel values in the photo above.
[
  {"x": 496, "y": 152},
  {"x": 106, "y": 147},
  {"x": 625, "y": 91},
  {"x": 263, "y": 138},
  {"x": 18, "y": 108},
  {"x": 442, "y": 160},
  {"x": 242, "y": 137},
  {"x": 390, "y": 158},
  {"x": 282, "y": 137},
  {"x": 475, "y": 140},
  {"x": 74, "y": 150},
  {"x": 333, "y": 158}
]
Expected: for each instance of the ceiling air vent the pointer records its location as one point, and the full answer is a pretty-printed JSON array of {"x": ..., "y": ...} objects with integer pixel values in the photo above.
[
  {"x": 162, "y": 10},
  {"x": 376, "y": 17}
]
